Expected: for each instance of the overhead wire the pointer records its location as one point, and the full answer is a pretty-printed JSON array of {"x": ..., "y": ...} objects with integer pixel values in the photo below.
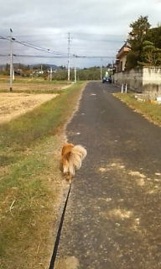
[
  {"x": 30, "y": 45},
  {"x": 53, "y": 53}
]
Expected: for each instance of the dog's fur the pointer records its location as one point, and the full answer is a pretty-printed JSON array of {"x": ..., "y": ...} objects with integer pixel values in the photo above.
[{"x": 71, "y": 159}]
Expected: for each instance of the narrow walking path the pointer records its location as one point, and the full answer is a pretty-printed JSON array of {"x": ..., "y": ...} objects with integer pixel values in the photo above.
[{"x": 113, "y": 218}]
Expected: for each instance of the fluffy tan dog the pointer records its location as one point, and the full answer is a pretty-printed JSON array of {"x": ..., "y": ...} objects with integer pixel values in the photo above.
[{"x": 71, "y": 159}]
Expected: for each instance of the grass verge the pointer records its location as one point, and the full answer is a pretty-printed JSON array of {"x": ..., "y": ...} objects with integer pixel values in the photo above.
[
  {"x": 31, "y": 184},
  {"x": 150, "y": 111}
]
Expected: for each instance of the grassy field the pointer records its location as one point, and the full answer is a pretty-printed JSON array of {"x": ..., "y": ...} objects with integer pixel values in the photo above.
[
  {"x": 32, "y": 85},
  {"x": 32, "y": 187},
  {"x": 151, "y": 111}
]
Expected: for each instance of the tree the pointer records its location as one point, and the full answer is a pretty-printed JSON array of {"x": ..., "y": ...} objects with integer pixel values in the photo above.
[
  {"x": 136, "y": 39},
  {"x": 154, "y": 35},
  {"x": 139, "y": 30},
  {"x": 131, "y": 60},
  {"x": 151, "y": 55}
]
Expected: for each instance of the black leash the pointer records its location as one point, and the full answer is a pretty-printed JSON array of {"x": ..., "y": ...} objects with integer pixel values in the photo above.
[{"x": 53, "y": 258}]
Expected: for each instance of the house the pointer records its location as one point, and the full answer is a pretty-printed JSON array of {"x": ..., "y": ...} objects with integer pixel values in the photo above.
[
  {"x": 144, "y": 80},
  {"x": 121, "y": 57}
]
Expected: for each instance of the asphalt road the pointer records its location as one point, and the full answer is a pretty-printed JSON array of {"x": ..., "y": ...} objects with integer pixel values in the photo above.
[{"x": 113, "y": 218}]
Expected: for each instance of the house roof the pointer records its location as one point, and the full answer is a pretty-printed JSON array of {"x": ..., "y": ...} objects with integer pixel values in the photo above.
[{"x": 123, "y": 51}]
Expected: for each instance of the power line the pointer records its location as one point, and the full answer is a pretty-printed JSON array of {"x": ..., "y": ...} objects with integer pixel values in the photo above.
[
  {"x": 27, "y": 44},
  {"x": 57, "y": 56},
  {"x": 30, "y": 45},
  {"x": 51, "y": 54}
]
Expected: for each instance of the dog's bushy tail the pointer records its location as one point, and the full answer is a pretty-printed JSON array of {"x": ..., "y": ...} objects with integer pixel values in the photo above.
[{"x": 77, "y": 154}]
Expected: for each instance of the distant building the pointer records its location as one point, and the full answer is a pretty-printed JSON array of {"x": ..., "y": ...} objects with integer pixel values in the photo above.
[{"x": 121, "y": 57}]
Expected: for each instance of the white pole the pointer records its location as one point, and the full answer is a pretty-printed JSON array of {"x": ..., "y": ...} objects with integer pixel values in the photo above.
[
  {"x": 126, "y": 88},
  {"x": 101, "y": 70},
  {"x": 51, "y": 73},
  {"x": 11, "y": 60},
  {"x": 75, "y": 74},
  {"x": 68, "y": 56},
  {"x": 122, "y": 88}
]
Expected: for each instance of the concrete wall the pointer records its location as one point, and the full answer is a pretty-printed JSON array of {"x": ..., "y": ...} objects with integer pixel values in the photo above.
[
  {"x": 146, "y": 80},
  {"x": 151, "y": 76},
  {"x": 132, "y": 78}
]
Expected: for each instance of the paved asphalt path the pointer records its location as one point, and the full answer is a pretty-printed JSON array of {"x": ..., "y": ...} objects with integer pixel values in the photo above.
[{"x": 113, "y": 218}]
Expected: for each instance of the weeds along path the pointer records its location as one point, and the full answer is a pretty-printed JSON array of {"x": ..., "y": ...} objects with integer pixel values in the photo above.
[{"x": 31, "y": 189}]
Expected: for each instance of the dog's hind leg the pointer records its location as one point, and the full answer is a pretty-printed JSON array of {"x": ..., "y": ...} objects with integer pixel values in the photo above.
[{"x": 69, "y": 177}]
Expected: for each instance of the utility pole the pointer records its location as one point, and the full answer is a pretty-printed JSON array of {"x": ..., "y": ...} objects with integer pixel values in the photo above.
[
  {"x": 101, "y": 70},
  {"x": 75, "y": 74},
  {"x": 69, "y": 56},
  {"x": 51, "y": 73},
  {"x": 75, "y": 69},
  {"x": 11, "y": 60}
]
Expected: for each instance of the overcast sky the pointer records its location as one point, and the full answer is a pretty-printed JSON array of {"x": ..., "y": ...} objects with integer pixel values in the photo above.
[{"x": 98, "y": 28}]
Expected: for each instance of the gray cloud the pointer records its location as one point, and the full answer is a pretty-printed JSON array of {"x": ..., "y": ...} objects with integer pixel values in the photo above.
[{"x": 97, "y": 28}]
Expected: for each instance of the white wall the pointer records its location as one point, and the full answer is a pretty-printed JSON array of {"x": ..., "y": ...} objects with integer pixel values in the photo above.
[
  {"x": 146, "y": 80},
  {"x": 151, "y": 75}
]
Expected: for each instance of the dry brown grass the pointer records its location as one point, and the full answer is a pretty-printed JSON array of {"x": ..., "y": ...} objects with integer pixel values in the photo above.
[
  {"x": 38, "y": 87},
  {"x": 15, "y": 104},
  {"x": 32, "y": 85},
  {"x": 26, "y": 96}
]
